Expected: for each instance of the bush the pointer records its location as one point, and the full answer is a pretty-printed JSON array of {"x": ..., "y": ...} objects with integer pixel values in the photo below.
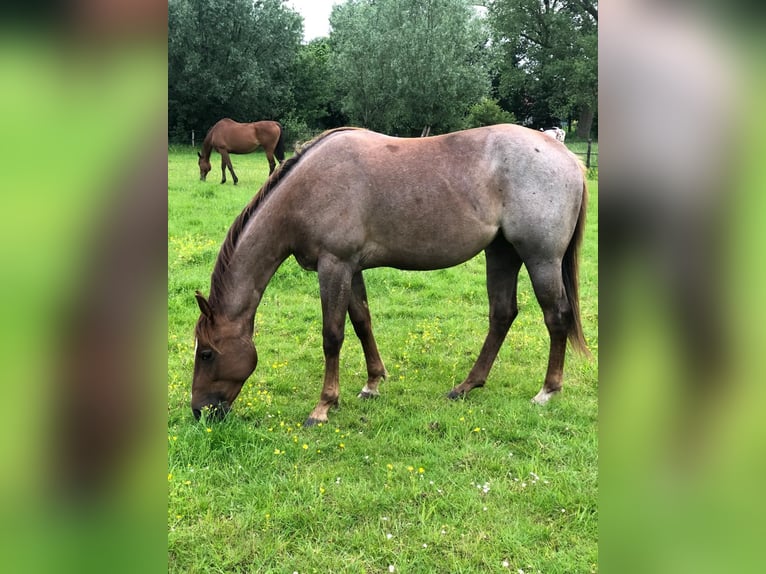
[
  {"x": 296, "y": 130},
  {"x": 486, "y": 113}
]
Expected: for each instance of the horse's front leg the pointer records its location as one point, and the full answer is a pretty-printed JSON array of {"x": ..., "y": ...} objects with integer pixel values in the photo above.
[
  {"x": 272, "y": 163},
  {"x": 359, "y": 312},
  {"x": 335, "y": 292},
  {"x": 223, "y": 167},
  {"x": 226, "y": 162}
]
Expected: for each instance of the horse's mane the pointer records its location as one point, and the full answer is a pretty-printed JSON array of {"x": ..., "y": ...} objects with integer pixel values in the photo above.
[
  {"x": 207, "y": 145},
  {"x": 235, "y": 231}
]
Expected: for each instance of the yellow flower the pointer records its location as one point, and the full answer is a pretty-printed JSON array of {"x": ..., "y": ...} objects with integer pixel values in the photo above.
[
  {"x": 170, "y": 477},
  {"x": 477, "y": 429},
  {"x": 421, "y": 470},
  {"x": 341, "y": 445},
  {"x": 305, "y": 446},
  {"x": 410, "y": 468},
  {"x": 276, "y": 451},
  {"x": 209, "y": 429},
  {"x": 390, "y": 466}
]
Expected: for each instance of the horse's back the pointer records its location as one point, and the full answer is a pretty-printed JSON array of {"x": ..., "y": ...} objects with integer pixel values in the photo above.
[
  {"x": 435, "y": 202},
  {"x": 242, "y": 138},
  {"x": 516, "y": 166}
]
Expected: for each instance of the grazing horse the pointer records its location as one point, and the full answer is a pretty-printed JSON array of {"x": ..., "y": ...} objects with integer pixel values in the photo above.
[
  {"x": 228, "y": 136},
  {"x": 353, "y": 199}
]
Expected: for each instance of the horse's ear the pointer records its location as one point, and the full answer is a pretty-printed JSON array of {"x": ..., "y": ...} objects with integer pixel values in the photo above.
[{"x": 204, "y": 305}]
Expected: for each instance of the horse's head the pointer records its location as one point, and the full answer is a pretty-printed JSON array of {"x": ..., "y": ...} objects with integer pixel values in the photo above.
[
  {"x": 204, "y": 166},
  {"x": 224, "y": 357}
]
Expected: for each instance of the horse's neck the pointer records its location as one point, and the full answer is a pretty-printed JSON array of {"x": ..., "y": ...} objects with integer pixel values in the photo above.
[
  {"x": 207, "y": 147},
  {"x": 261, "y": 248}
]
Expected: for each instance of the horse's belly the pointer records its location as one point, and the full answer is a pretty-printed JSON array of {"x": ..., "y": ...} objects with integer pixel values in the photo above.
[{"x": 424, "y": 249}]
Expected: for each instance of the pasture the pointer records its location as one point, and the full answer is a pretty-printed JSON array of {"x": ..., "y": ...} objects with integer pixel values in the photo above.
[{"x": 409, "y": 482}]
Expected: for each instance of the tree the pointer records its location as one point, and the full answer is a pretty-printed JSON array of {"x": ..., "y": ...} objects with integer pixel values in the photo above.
[
  {"x": 313, "y": 87},
  {"x": 549, "y": 67},
  {"x": 405, "y": 64},
  {"x": 229, "y": 58}
]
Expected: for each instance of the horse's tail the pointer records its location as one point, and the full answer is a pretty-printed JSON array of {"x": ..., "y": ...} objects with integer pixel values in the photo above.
[
  {"x": 570, "y": 273},
  {"x": 279, "y": 151}
]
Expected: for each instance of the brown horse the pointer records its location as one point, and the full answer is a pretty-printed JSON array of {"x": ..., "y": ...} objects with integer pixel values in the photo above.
[
  {"x": 228, "y": 136},
  {"x": 353, "y": 199}
]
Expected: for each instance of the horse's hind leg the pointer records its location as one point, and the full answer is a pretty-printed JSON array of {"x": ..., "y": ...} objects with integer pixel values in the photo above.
[
  {"x": 226, "y": 162},
  {"x": 503, "y": 264},
  {"x": 549, "y": 289},
  {"x": 359, "y": 312}
]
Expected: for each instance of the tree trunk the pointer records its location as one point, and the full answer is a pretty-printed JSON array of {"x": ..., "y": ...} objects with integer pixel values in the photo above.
[
  {"x": 585, "y": 122},
  {"x": 426, "y": 132}
]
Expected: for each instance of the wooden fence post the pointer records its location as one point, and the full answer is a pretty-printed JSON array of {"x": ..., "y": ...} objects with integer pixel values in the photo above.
[
  {"x": 192, "y": 138},
  {"x": 587, "y": 158}
]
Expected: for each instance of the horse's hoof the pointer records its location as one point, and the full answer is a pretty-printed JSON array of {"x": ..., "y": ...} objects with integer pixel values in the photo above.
[
  {"x": 453, "y": 394},
  {"x": 312, "y": 422},
  {"x": 368, "y": 393},
  {"x": 543, "y": 396}
]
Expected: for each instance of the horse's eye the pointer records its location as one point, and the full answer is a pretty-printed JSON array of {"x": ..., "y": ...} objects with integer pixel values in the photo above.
[{"x": 205, "y": 354}]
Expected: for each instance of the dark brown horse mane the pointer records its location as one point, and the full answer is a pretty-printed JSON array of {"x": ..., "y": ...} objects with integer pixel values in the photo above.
[{"x": 235, "y": 231}]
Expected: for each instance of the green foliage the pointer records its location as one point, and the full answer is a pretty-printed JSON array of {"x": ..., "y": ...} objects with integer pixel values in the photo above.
[
  {"x": 314, "y": 88},
  {"x": 486, "y": 113},
  {"x": 548, "y": 69},
  {"x": 296, "y": 131},
  {"x": 405, "y": 64},
  {"x": 410, "y": 480},
  {"x": 394, "y": 66},
  {"x": 229, "y": 58}
]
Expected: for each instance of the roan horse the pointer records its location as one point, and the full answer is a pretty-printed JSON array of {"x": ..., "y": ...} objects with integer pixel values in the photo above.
[
  {"x": 352, "y": 199},
  {"x": 228, "y": 136}
]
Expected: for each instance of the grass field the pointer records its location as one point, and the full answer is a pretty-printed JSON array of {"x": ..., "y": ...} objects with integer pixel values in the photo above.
[{"x": 410, "y": 482}]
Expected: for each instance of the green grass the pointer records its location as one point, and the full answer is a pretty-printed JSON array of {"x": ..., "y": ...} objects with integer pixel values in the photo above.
[{"x": 411, "y": 480}]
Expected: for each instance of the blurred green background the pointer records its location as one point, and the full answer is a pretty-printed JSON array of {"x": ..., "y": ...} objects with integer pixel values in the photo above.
[{"x": 82, "y": 115}]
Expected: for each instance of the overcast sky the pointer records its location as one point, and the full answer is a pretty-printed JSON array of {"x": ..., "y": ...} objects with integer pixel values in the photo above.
[{"x": 315, "y": 16}]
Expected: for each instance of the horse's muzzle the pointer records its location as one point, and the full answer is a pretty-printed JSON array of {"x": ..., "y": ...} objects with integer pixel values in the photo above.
[{"x": 213, "y": 412}]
